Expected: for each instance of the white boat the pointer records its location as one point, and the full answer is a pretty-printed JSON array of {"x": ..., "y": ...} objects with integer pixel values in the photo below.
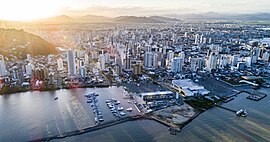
[
  {"x": 242, "y": 113},
  {"x": 100, "y": 120},
  {"x": 122, "y": 113},
  {"x": 129, "y": 109},
  {"x": 120, "y": 108},
  {"x": 117, "y": 103}
]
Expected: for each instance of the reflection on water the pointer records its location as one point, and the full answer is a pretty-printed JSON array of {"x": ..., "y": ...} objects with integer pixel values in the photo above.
[{"x": 31, "y": 115}]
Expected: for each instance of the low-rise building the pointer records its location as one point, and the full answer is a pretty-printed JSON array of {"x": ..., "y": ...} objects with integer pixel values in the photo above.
[{"x": 187, "y": 87}]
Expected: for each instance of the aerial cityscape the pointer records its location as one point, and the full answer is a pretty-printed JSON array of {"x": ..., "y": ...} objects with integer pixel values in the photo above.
[{"x": 118, "y": 70}]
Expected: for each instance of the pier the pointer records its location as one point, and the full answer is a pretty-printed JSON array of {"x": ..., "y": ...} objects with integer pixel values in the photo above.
[
  {"x": 234, "y": 111},
  {"x": 89, "y": 129}
]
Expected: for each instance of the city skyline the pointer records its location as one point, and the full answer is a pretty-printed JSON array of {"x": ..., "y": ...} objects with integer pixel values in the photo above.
[{"x": 38, "y": 9}]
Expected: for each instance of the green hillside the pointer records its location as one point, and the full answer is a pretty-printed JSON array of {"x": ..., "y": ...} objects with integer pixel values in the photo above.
[{"x": 18, "y": 43}]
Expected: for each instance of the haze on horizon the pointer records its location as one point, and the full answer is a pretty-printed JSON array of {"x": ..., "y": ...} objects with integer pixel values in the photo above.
[{"x": 25, "y": 10}]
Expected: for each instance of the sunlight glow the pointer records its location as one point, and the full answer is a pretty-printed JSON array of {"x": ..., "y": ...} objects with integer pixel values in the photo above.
[{"x": 26, "y": 10}]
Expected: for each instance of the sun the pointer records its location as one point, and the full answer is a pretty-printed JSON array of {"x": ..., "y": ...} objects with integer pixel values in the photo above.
[{"x": 27, "y": 10}]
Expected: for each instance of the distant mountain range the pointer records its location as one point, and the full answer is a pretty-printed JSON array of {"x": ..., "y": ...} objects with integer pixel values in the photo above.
[
  {"x": 19, "y": 43},
  {"x": 102, "y": 19},
  {"x": 209, "y": 16},
  {"x": 224, "y": 16}
]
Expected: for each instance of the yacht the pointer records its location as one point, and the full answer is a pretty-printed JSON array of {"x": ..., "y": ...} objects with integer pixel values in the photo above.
[
  {"x": 241, "y": 112},
  {"x": 117, "y": 103},
  {"x": 122, "y": 113},
  {"x": 100, "y": 120},
  {"x": 120, "y": 108},
  {"x": 129, "y": 109}
]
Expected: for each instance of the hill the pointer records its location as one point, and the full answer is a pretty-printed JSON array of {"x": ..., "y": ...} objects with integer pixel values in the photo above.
[
  {"x": 58, "y": 19},
  {"x": 134, "y": 19},
  {"x": 224, "y": 16},
  {"x": 18, "y": 43},
  {"x": 164, "y": 19},
  {"x": 93, "y": 19}
]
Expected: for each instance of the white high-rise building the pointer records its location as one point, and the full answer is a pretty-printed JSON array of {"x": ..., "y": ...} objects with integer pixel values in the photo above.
[
  {"x": 86, "y": 59},
  {"x": 170, "y": 55},
  {"x": 28, "y": 57},
  {"x": 235, "y": 59},
  {"x": 155, "y": 60},
  {"x": 3, "y": 71},
  {"x": 177, "y": 65},
  {"x": 71, "y": 63},
  {"x": 102, "y": 61},
  {"x": 210, "y": 41},
  {"x": 194, "y": 64},
  {"x": 107, "y": 58},
  {"x": 148, "y": 59},
  {"x": 60, "y": 64},
  {"x": 248, "y": 61},
  {"x": 223, "y": 61},
  {"x": 50, "y": 57},
  {"x": 255, "y": 54},
  {"x": 266, "y": 56},
  {"x": 28, "y": 69},
  {"x": 201, "y": 39},
  {"x": 212, "y": 61},
  {"x": 186, "y": 35},
  {"x": 182, "y": 55},
  {"x": 196, "y": 39},
  {"x": 82, "y": 72}
]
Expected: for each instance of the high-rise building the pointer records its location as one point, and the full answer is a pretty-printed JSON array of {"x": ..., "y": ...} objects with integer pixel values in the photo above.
[
  {"x": 148, "y": 59},
  {"x": 60, "y": 64},
  {"x": 102, "y": 61},
  {"x": 248, "y": 61},
  {"x": 71, "y": 63},
  {"x": 182, "y": 55},
  {"x": 107, "y": 58},
  {"x": 223, "y": 61},
  {"x": 186, "y": 35},
  {"x": 155, "y": 60},
  {"x": 235, "y": 59},
  {"x": 51, "y": 77},
  {"x": 255, "y": 54},
  {"x": 137, "y": 69},
  {"x": 82, "y": 72},
  {"x": 200, "y": 63},
  {"x": 3, "y": 71},
  {"x": 201, "y": 39},
  {"x": 28, "y": 69},
  {"x": 212, "y": 61},
  {"x": 177, "y": 65},
  {"x": 266, "y": 56},
  {"x": 118, "y": 69},
  {"x": 28, "y": 57},
  {"x": 15, "y": 73},
  {"x": 196, "y": 39},
  {"x": 194, "y": 64},
  {"x": 50, "y": 58},
  {"x": 170, "y": 56},
  {"x": 86, "y": 59},
  {"x": 127, "y": 65}
]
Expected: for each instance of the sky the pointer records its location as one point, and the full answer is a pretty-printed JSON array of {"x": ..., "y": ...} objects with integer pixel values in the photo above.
[{"x": 37, "y": 9}]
